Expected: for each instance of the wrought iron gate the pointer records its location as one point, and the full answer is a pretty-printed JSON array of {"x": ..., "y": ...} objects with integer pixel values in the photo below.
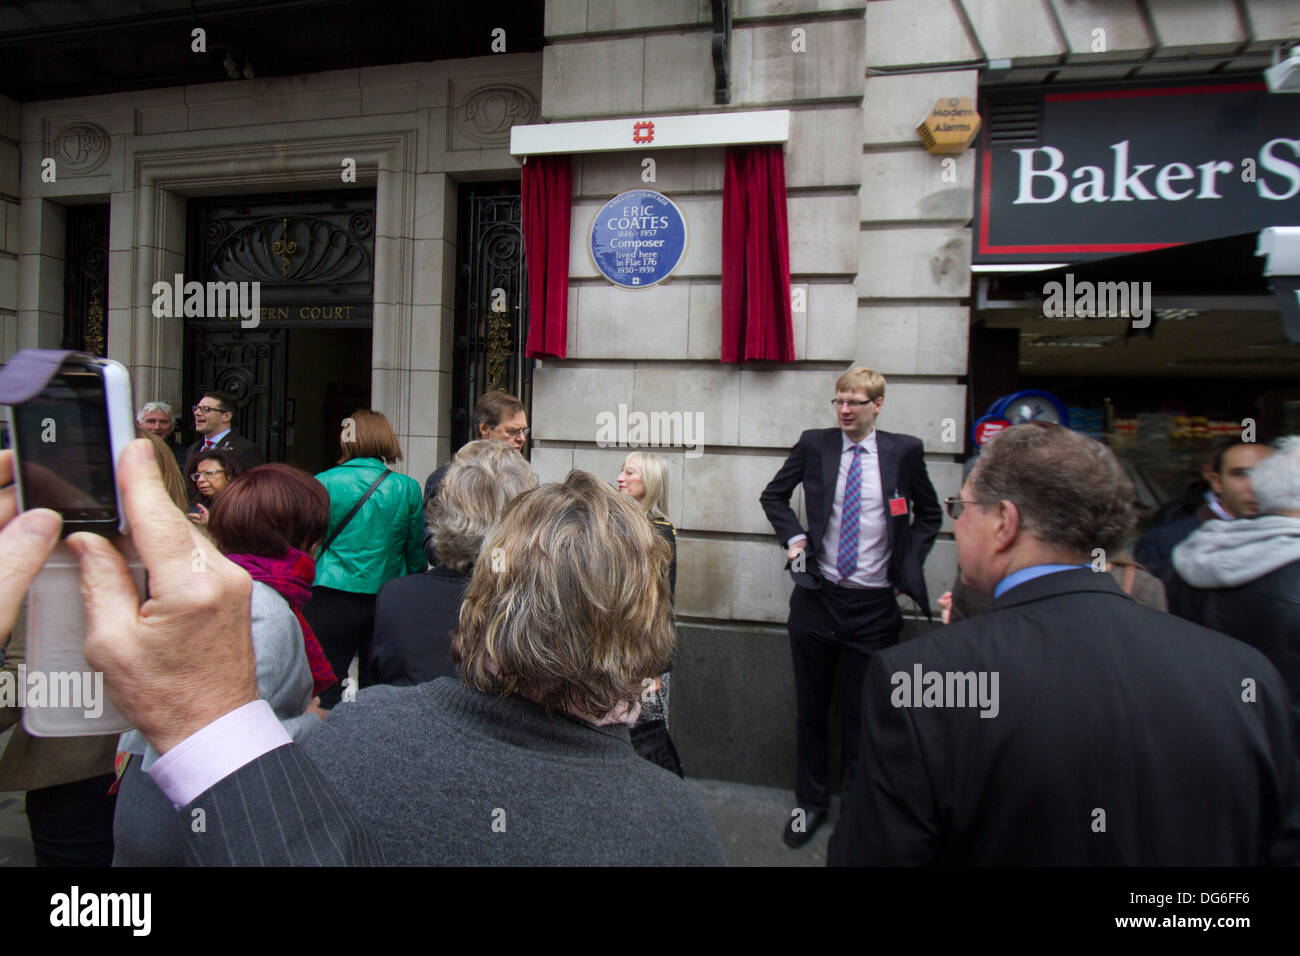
[
  {"x": 85, "y": 280},
  {"x": 491, "y": 326}
]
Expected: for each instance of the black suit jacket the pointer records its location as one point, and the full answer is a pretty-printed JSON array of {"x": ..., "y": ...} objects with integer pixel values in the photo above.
[
  {"x": 276, "y": 811},
  {"x": 414, "y": 618},
  {"x": 1264, "y": 613},
  {"x": 250, "y": 455},
  {"x": 1104, "y": 707},
  {"x": 815, "y": 463}
]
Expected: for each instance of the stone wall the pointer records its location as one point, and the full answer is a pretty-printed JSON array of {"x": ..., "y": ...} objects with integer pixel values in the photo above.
[
  {"x": 658, "y": 349},
  {"x": 412, "y": 131}
]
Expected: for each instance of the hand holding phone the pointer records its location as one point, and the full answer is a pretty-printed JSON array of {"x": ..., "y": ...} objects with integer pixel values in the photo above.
[
  {"x": 26, "y": 540},
  {"x": 68, "y": 436},
  {"x": 185, "y": 657}
]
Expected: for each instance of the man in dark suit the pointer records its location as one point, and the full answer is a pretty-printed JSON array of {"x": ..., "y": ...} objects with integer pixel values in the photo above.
[
  {"x": 213, "y": 417},
  {"x": 872, "y": 516},
  {"x": 1067, "y": 725},
  {"x": 186, "y": 677}
]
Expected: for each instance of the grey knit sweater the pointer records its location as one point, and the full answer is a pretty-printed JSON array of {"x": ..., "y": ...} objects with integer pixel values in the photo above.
[{"x": 444, "y": 775}]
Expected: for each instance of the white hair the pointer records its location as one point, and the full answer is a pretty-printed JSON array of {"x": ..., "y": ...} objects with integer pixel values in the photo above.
[
  {"x": 148, "y": 407},
  {"x": 1276, "y": 479}
]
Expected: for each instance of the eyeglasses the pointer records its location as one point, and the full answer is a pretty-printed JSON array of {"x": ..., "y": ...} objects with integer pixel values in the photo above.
[
  {"x": 207, "y": 409},
  {"x": 955, "y": 506},
  {"x": 516, "y": 432},
  {"x": 208, "y": 474},
  {"x": 850, "y": 402}
]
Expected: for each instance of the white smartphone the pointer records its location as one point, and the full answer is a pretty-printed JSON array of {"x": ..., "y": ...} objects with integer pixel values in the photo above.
[{"x": 67, "y": 441}]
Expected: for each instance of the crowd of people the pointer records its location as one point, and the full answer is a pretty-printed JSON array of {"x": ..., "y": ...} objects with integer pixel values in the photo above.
[{"x": 513, "y": 644}]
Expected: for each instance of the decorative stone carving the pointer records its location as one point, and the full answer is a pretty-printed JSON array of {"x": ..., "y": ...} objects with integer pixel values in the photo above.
[
  {"x": 80, "y": 149},
  {"x": 487, "y": 114}
]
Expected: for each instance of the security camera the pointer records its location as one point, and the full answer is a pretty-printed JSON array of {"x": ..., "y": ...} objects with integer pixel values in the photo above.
[{"x": 1284, "y": 76}]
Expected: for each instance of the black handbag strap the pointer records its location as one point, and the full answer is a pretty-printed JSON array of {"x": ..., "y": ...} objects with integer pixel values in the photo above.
[{"x": 351, "y": 514}]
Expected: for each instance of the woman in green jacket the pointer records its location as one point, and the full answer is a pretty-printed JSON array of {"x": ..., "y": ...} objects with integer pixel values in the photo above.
[{"x": 364, "y": 548}]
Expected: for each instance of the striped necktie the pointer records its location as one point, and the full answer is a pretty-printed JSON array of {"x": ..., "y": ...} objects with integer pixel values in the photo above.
[
  {"x": 207, "y": 444},
  {"x": 846, "y": 562}
]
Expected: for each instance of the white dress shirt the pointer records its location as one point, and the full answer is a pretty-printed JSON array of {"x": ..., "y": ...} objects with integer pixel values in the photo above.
[{"x": 873, "y": 532}]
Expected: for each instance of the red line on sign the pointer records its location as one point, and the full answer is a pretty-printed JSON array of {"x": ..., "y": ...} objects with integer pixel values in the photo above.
[{"x": 1154, "y": 91}]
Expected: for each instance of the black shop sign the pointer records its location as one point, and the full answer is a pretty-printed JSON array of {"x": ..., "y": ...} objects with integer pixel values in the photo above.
[{"x": 1118, "y": 170}]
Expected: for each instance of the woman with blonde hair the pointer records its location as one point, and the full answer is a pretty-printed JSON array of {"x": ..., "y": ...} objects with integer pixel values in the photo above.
[
  {"x": 376, "y": 533},
  {"x": 644, "y": 479},
  {"x": 415, "y": 615},
  {"x": 526, "y": 760}
]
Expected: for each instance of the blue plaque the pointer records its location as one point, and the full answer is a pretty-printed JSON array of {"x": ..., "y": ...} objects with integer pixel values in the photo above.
[{"x": 638, "y": 238}]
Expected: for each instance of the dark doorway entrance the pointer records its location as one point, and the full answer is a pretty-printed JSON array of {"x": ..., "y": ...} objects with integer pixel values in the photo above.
[
  {"x": 306, "y": 364},
  {"x": 491, "y": 303},
  {"x": 328, "y": 378}
]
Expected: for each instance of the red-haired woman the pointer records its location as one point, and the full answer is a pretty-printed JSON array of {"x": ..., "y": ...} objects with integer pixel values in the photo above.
[{"x": 269, "y": 522}]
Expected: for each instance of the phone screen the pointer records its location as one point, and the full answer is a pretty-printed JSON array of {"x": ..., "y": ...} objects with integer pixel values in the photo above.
[{"x": 64, "y": 450}]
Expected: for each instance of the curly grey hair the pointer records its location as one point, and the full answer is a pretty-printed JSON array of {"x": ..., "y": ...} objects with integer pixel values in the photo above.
[
  {"x": 484, "y": 477},
  {"x": 1276, "y": 479}
]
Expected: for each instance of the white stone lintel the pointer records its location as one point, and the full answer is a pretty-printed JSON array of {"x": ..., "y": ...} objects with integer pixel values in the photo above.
[{"x": 663, "y": 132}]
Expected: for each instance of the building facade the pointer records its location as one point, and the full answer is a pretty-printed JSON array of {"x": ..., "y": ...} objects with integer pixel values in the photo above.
[{"x": 880, "y": 252}]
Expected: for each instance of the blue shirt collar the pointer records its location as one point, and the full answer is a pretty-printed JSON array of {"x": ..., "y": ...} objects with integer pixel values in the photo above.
[{"x": 1029, "y": 573}]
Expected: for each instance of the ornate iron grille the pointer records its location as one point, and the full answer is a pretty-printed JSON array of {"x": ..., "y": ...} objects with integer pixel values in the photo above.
[
  {"x": 491, "y": 303},
  {"x": 311, "y": 249},
  {"x": 85, "y": 280}
]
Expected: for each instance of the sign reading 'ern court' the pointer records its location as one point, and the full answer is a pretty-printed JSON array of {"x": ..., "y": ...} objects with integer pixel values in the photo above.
[{"x": 638, "y": 239}]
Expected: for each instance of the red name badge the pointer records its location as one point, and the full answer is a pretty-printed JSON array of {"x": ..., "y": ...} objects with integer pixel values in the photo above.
[{"x": 897, "y": 506}]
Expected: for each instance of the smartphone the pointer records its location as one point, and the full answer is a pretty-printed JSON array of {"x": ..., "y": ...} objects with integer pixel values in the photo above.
[{"x": 67, "y": 441}]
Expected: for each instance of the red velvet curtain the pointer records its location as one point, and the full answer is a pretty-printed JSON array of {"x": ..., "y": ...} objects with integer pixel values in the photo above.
[
  {"x": 756, "y": 318},
  {"x": 547, "y": 197}
]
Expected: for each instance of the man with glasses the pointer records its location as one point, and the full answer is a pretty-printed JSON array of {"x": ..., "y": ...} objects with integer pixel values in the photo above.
[
  {"x": 213, "y": 416},
  {"x": 872, "y": 519}
]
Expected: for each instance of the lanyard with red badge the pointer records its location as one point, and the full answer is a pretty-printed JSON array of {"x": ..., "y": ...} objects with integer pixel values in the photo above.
[{"x": 897, "y": 505}]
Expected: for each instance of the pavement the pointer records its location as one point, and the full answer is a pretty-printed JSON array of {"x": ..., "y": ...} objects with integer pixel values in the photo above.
[{"x": 748, "y": 820}]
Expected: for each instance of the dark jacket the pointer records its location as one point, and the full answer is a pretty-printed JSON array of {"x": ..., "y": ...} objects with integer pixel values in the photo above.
[
  {"x": 815, "y": 461},
  {"x": 442, "y": 775},
  {"x": 1243, "y": 578},
  {"x": 1120, "y": 739},
  {"x": 669, "y": 534},
  {"x": 414, "y": 618},
  {"x": 250, "y": 455},
  {"x": 1154, "y": 548}
]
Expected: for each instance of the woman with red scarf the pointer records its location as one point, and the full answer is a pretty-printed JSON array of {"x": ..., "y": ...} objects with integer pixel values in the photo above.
[{"x": 269, "y": 522}]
